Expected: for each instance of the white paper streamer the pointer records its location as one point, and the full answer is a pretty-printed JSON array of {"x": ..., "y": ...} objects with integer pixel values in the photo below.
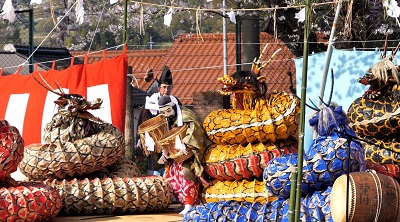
[
  {"x": 8, "y": 11},
  {"x": 232, "y": 16},
  {"x": 139, "y": 144},
  {"x": 36, "y": 2},
  {"x": 152, "y": 103},
  {"x": 301, "y": 15},
  {"x": 168, "y": 17},
  {"x": 80, "y": 12},
  {"x": 164, "y": 157},
  {"x": 149, "y": 142},
  {"x": 179, "y": 145}
]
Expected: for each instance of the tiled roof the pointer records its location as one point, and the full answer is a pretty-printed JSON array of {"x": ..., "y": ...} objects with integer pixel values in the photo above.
[
  {"x": 139, "y": 97},
  {"x": 196, "y": 61},
  {"x": 10, "y": 63},
  {"x": 140, "y": 60},
  {"x": 45, "y": 56}
]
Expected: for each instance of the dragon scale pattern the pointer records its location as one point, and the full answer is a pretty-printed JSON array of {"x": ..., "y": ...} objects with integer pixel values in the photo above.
[
  {"x": 273, "y": 118},
  {"x": 237, "y": 162},
  {"x": 243, "y": 190},
  {"x": 22, "y": 201},
  {"x": 83, "y": 160},
  {"x": 113, "y": 196},
  {"x": 50, "y": 161}
]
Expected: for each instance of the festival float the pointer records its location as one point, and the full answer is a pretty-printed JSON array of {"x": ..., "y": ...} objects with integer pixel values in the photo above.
[{"x": 254, "y": 155}]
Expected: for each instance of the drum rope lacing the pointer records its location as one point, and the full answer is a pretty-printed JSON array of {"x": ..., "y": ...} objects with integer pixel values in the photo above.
[
  {"x": 353, "y": 199},
  {"x": 379, "y": 194}
]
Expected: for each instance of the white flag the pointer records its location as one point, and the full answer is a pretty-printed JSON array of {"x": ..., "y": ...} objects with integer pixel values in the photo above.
[
  {"x": 168, "y": 17},
  {"x": 8, "y": 11}
]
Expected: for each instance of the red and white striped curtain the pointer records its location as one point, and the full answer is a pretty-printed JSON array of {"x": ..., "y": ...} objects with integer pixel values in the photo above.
[{"x": 28, "y": 106}]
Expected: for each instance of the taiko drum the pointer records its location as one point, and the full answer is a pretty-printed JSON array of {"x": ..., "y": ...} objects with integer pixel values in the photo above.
[{"x": 371, "y": 197}]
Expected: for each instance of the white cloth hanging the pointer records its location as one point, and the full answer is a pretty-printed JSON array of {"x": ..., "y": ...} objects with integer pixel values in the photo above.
[
  {"x": 8, "y": 11},
  {"x": 301, "y": 15},
  {"x": 232, "y": 16},
  {"x": 36, "y": 2},
  {"x": 168, "y": 17},
  {"x": 80, "y": 12}
]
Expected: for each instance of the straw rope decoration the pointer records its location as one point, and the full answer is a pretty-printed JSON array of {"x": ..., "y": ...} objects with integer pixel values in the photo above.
[
  {"x": 83, "y": 161},
  {"x": 236, "y": 10}
]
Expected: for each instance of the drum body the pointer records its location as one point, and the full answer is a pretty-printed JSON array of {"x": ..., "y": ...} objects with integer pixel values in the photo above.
[
  {"x": 372, "y": 197},
  {"x": 168, "y": 140},
  {"x": 156, "y": 127}
]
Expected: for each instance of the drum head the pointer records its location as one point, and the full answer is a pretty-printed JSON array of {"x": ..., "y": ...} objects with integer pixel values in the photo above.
[{"x": 338, "y": 199}]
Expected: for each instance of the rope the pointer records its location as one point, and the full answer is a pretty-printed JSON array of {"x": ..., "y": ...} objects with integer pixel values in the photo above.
[
  {"x": 235, "y": 10},
  {"x": 97, "y": 26},
  {"x": 378, "y": 186},
  {"x": 141, "y": 21},
  {"x": 197, "y": 25},
  {"x": 275, "y": 28}
]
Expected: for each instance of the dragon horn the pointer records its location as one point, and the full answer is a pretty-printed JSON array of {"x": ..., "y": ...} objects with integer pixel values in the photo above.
[
  {"x": 270, "y": 59},
  {"x": 385, "y": 46},
  {"x": 397, "y": 49},
  {"x": 60, "y": 88},
  {"x": 330, "y": 95},
  {"x": 48, "y": 87},
  {"x": 262, "y": 53},
  {"x": 255, "y": 67},
  {"x": 323, "y": 101},
  {"x": 315, "y": 106}
]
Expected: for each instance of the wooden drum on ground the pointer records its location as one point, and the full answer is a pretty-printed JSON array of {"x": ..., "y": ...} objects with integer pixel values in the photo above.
[
  {"x": 167, "y": 142},
  {"x": 156, "y": 127},
  {"x": 372, "y": 197}
]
